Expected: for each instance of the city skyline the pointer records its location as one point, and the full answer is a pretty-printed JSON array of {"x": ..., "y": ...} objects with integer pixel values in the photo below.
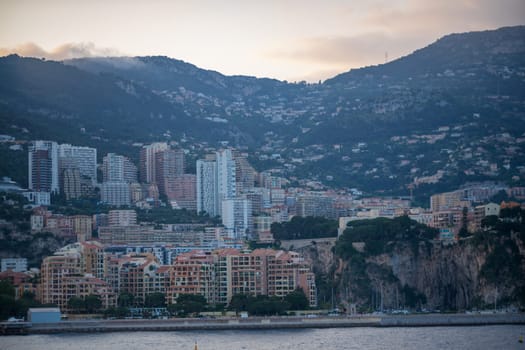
[{"x": 288, "y": 40}]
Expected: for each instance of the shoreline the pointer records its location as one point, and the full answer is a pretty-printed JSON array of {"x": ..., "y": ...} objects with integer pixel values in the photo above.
[{"x": 261, "y": 323}]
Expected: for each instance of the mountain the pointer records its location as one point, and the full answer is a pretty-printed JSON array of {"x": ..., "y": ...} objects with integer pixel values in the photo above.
[
  {"x": 448, "y": 113},
  {"x": 465, "y": 51}
]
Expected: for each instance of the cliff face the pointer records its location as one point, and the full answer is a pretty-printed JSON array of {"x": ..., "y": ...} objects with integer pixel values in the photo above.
[
  {"x": 447, "y": 276},
  {"x": 474, "y": 273}
]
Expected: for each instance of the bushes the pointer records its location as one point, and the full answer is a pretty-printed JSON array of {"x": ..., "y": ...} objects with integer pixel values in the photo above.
[
  {"x": 263, "y": 305},
  {"x": 90, "y": 304},
  {"x": 305, "y": 228},
  {"x": 188, "y": 304}
]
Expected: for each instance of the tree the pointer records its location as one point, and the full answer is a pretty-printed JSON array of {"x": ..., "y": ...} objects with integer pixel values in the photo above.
[
  {"x": 302, "y": 228},
  {"x": 7, "y": 300},
  {"x": 76, "y": 303},
  {"x": 118, "y": 312},
  {"x": 297, "y": 300},
  {"x": 92, "y": 303},
  {"x": 156, "y": 299},
  {"x": 126, "y": 299},
  {"x": 7, "y": 288},
  {"x": 489, "y": 222},
  {"x": 262, "y": 305},
  {"x": 239, "y": 302},
  {"x": 26, "y": 301},
  {"x": 188, "y": 304}
]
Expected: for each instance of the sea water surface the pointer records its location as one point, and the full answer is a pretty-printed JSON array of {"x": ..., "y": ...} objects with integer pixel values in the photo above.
[{"x": 483, "y": 337}]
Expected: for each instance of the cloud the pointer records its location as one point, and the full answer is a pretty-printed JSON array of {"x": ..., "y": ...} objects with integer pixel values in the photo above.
[
  {"x": 62, "y": 52},
  {"x": 395, "y": 28},
  {"x": 336, "y": 49},
  {"x": 438, "y": 18},
  {"x": 340, "y": 53}
]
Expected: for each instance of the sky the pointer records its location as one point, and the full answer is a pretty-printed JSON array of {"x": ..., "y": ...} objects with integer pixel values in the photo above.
[{"x": 290, "y": 40}]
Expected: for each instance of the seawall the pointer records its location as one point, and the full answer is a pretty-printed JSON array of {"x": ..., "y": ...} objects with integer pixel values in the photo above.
[{"x": 254, "y": 323}]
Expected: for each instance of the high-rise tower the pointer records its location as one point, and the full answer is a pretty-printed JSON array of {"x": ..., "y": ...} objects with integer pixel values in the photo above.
[
  {"x": 148, "y": 161},
  {"x": 43, "y": 166}
]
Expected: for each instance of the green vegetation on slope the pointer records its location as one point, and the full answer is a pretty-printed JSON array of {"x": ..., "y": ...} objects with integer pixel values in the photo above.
[
  {"x": 305, "y": 228},
  {"x": 380, "y": 235}
]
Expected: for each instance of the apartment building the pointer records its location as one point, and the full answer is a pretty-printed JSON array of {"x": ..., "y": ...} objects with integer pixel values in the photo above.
[
  {"x": 53, "y": 270},
  {"x": 116, "y": 193},
  {"x": 122, "y": 217},
  {"x": 83, "y": 261},
  {"x": 118, "y": 168},
  {"x": 137, "y": 275},
  {"x": 448, "y": 200},
  {"x": 148, "y": 164},
  {"x": 83, "y": 286},
  {"x": 182, "y": 190},
  {"x": 263, "y": 272},
  {"x": 14, "y": 264},
  {"x": 86, "y": 268},
  {"x": 82, "y": 227},
  {"x": 43, "y": 166},
  {"x": 193, "y": 273}
]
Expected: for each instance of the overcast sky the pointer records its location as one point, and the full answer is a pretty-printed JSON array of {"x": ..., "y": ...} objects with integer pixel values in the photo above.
[{"x": 284, "y": 39}]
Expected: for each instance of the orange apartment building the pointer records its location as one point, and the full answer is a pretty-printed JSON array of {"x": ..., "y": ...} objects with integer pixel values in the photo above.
[
  {"x": 84, "y": 268},
  {"x": 82, "y": 286},
  {"x": 263, "y": 272},
  {"x": 53, "y": 270},
  {"x": 71, "y": 272},
  {"x": 141, "y": 275},
  {"x": 193, "y": 273}
]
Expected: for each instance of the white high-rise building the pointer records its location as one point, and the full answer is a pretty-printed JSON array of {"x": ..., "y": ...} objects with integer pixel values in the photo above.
[
  {"x": 237, "y": 217},
  {"x": 207, "y": 200},
  {"x": 82, "y": 158},
  {"x": 226, "y": 181},
  {"x": 122, "y": 217},
  {"x": 43, "y": 166},
  {"x": 115, "y": 193},
  {"x": 118, "y": 168},
  {"x": 215, "y": 182}
]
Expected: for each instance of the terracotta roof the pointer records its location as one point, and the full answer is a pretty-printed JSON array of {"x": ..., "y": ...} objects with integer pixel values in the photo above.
[{"x": 163, "y": 268}]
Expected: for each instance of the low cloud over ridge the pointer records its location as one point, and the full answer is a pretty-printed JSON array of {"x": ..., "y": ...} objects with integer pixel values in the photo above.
[{"x": 62, "y": 52}]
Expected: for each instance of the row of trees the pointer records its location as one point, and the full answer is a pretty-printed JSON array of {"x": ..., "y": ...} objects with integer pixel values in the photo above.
[
  {"x": 190, "y": 304},
  {"x": 263, "y": 305},
  {"x": 89, "y": 304},
  {"x": 186, "y": 304}
]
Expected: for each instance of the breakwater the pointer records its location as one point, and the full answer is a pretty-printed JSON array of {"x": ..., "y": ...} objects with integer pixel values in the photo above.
[{"x": 254, "y": 323}]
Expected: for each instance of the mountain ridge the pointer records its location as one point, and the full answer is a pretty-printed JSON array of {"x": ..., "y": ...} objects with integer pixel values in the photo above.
[{"x": 395, "y": 109}]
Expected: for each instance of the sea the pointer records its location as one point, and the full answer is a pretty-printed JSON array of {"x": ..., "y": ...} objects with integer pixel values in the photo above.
[{"x": 420, "y": 338}]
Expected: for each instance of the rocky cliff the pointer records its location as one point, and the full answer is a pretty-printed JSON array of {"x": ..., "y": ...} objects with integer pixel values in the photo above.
[{"x": 480, "y": 271}]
